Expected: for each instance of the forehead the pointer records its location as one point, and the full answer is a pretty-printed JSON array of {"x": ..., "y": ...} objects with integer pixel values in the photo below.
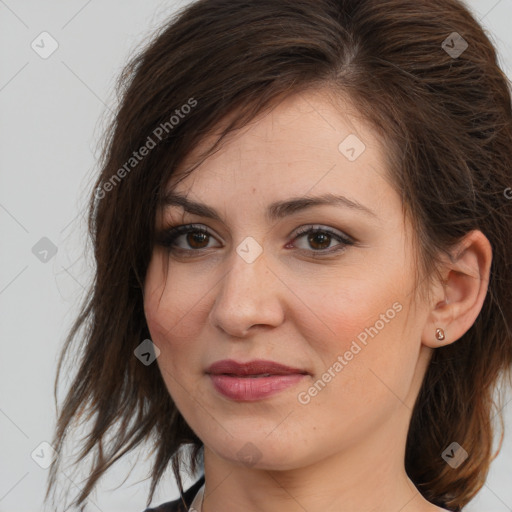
[{"x": 305, "y": 144}]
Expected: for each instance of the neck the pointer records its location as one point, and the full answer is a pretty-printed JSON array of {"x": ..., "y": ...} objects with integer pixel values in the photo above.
[{"x": 368, "y": 477}]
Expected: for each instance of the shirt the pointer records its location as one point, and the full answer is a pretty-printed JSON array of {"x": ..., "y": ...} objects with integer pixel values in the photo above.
[{"x": 193, "y": 498}]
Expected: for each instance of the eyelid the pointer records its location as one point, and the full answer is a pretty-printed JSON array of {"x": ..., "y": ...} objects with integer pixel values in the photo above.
[
  {"x": 168, "y": 235},
  {"x": 320, "y": 227},
  {"x": 344, "y": 240}
]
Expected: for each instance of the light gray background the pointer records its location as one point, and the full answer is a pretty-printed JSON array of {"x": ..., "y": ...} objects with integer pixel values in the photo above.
[{"x": 52, "y": 113}]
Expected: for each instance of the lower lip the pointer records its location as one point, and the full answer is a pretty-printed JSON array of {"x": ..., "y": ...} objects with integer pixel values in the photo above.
[{"x": 253, "y": 388}]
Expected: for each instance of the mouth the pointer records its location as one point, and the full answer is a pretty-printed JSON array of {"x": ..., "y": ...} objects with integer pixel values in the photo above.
[
  {"x": 255, "y": 380},
  {"x": 257, "y": 376},
  {"x": 256, "y": 368}
]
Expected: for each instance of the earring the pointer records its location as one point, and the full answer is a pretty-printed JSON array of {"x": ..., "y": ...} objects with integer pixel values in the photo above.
[{"x": 440, "y": 334}]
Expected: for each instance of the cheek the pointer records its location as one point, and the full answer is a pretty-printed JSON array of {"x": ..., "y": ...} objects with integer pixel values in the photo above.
[
  {"x": 175, "y": 314},
  {"x": 178, "y": 359},
  {"x": 350, "y": 310},
  {"x": 170, "y": 302},
  {"x": 362, "y": 341}
]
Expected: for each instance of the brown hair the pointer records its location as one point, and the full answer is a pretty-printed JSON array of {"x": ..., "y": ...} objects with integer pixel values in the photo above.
[{"x": 447, "y": 123}]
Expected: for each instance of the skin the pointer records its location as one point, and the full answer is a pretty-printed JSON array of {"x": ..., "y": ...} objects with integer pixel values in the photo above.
[{"x": 295, "y": 307}]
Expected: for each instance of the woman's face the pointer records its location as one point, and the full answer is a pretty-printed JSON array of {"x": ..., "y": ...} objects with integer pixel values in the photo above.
[{"x": 334, "y": 304}]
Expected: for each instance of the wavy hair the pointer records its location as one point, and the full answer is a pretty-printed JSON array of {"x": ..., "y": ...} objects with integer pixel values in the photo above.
[{"x": 444, "y": 112}]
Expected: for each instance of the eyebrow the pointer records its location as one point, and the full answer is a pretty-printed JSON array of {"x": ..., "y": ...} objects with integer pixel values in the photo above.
[{"x": 275, "y": 211}]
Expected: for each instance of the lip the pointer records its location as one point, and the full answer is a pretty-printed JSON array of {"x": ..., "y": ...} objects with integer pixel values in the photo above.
[{"x": 239, "y": 381}]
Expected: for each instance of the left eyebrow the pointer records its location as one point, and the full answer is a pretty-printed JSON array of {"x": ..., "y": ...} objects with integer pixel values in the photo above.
[
  {"x": 281, "y": 209},
  {"x": 275, "y": 211}
]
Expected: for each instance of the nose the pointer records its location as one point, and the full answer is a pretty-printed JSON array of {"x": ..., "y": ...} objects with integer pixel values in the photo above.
[{"x": 250, "y": 296}]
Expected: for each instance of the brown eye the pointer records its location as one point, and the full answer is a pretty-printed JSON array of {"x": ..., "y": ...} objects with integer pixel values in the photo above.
[
  {"x": 185, "y": 238},
  {"x": 196, "y": 239},
  {"x": 319, "y": 240}
]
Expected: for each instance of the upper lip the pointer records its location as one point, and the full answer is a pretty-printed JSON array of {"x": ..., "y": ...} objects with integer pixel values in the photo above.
[{"x": 254, "y": 367}]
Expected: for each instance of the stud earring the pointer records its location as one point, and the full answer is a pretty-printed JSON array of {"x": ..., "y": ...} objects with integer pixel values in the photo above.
[{"x": 440, "y": 334}]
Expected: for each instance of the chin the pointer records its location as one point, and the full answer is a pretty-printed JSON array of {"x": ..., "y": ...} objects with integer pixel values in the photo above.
[{"x": 258, "y": 452}]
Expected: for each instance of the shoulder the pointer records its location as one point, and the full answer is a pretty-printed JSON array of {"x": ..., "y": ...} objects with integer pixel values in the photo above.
[{"x": 177, "y": 505}]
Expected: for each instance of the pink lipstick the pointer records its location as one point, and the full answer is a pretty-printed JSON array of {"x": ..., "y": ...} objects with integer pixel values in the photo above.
[{"x": 253, "y": 380}]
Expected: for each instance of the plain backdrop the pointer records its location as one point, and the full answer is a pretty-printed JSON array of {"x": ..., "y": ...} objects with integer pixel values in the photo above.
[{"x": 51, "y": 119}]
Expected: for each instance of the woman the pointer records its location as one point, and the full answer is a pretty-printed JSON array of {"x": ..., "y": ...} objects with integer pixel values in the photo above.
[{"x": 302, "y": 235}]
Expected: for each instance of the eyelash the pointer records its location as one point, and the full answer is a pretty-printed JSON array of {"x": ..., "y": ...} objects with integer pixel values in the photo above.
[{"x": 168, "y": 237}]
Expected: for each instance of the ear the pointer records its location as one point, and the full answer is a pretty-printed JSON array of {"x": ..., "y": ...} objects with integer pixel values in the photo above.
[{"x": 457, "y": 301}]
